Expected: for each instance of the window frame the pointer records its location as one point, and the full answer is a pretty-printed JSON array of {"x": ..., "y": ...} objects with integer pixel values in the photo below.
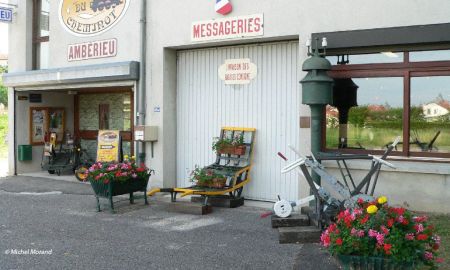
[
  {"x": 405, "y": 69},
  {"x": 37, "y": 39}
]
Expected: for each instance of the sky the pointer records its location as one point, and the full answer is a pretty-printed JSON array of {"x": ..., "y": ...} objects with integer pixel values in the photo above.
[{"x": 3, "y": 38}]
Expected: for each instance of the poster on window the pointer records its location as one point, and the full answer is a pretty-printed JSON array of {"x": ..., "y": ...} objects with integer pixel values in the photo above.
[
  {"x": 38, "y": 124},
  {"x": 108, "y": 146}
]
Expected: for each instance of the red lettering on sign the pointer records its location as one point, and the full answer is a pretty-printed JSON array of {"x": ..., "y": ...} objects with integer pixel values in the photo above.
[{"x": 196, "y": 31}]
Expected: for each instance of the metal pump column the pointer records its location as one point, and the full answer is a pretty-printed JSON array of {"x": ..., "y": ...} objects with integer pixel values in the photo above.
[{"x": 317, "y": 92}]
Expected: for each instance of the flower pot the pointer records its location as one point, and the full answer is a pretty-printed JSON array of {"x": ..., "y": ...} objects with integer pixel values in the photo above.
[
  {"x": 350, "y": 262},
  {"x": 233, "y": 150},
  {"x": 108, "y": 189},
  {"x": 218, "y": 182}
]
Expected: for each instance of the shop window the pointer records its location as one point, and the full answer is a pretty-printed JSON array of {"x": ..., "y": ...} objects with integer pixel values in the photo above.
[
  {"x": 41, "y": 33},
  {"x": 375, "y": 121},
  {"x": 430, "y": 114},
  {"x": 406, "y": 99},
  {"x": 370, "y": 58},
  {"x": 422, "y": 56}
]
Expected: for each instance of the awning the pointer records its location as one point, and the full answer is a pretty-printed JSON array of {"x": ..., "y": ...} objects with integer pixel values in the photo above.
[{"x": 102, "y": 75}]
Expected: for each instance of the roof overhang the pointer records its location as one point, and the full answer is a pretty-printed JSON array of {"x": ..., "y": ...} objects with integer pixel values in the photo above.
[{"x": 110, "y": 74}]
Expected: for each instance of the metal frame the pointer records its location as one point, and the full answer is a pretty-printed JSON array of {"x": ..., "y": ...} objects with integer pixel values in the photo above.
[{"x": 237, "y": 168}]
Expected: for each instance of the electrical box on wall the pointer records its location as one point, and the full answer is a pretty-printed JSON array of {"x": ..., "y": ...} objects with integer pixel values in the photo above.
[{"x": 146, "y": 133}]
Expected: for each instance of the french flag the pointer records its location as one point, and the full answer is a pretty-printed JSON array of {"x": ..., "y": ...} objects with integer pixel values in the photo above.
[{"x": 223, "y": 7}]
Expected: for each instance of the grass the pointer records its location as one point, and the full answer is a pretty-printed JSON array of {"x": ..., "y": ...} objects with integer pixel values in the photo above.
[{"x": 3, "y": 135}]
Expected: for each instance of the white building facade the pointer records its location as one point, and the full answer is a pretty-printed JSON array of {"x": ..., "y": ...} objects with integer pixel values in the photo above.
[{"x": 202, "y": 70}]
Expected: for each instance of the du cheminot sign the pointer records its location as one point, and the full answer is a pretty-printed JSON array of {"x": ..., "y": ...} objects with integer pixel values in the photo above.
[{"x": 91, "y": 17}]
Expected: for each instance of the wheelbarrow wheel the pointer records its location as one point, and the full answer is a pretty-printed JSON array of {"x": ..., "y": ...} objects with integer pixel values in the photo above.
[
  {"x": 51, "y": 171},
  {"x": 80, "y": 173}
]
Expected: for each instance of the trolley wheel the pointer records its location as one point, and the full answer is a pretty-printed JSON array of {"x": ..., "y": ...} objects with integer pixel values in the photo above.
[
  {"x": 80, "y": 172},
  {"x": 51, "y": 171}
]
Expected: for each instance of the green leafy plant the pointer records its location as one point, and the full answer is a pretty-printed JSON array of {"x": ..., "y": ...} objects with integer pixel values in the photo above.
[
  {"x": 222, "y": 143},
  {"x": 118, "y": 172},
  {"x": 375, "y": 229},
  {"x": 206, "y": 177}
]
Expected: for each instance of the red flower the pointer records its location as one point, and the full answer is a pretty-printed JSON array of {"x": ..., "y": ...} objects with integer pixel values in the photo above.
[
  {"x": 422, "y": 237},
  {"x": 106, "y": 181},
  {"x": 365, "y": 219},
  {"x": 339, "y": 242},
  {"x": 439, "y": 260},
  {"x": 405, "y": 221},
  {"x": 435, "y": 247},
  {"x": 390, "y": 222},
  {"x": 140, "y": 169},
  {"x": 360, "y": 201},
  {"x": 387, "y": 248}
]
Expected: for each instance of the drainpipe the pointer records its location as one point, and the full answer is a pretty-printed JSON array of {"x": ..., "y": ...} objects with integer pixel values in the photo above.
[{"x": 140, "y": 97}]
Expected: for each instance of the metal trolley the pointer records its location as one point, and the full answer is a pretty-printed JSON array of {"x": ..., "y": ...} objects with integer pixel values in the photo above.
[{"x": 235, "y": 167}]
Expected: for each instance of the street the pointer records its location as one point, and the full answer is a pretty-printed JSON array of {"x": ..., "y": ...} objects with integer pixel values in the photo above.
[{"x": 51, "y": 224}]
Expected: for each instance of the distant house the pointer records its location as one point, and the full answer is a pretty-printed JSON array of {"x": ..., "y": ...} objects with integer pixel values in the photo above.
[
  {"x": 376, "y": 108},
  {"x": 432, "y": 110},
  {"x": 3, "y": 60}
]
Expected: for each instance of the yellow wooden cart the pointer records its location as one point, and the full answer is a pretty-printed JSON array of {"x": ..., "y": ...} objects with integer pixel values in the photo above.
[{"x": 235, "y": 167}]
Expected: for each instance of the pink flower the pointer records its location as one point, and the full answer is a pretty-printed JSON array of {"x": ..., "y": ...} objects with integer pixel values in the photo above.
[
  {"x": 358, "y": 211},
  {"x": 124, "y": 174},
  {"x": 384, "y": 230},
  {"x": 400, "y": 219},
  {"x": 418, "y": 228},
  {"x": 325, "y": 239},
  {"x": 428, "y": 255},
  {"x": 134, "y": 175},
  {"x": 439, "y": 260},
  {"x": 436, "y": 239},
  {"x": 373, "y": 233},
  {"x": 409, "y": 236},
  {"x": 380, "y": 238}
]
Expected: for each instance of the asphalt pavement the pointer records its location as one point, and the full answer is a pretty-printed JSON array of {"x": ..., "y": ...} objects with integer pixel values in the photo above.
[{"x": 52, "y": 224}]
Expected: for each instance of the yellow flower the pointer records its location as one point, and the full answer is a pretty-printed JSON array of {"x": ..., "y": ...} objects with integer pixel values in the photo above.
[
  {"x": 382, "y": 200},
  {"x": 133, "y": 157},
  {"x": 372, "y": 209},
  {"x": 125, "y": 157}
]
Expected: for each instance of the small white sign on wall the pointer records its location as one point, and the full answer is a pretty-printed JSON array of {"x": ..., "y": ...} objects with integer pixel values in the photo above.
[{"x": 238, "y": 71}]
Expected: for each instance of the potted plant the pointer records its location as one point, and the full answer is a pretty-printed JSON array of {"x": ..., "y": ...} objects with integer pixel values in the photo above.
[
  {"x": 230, "y": 145},
  {"x": 204, "y": 177},
  {"x": 374, "y": 235},
  {"x": 112, "y": 179}
]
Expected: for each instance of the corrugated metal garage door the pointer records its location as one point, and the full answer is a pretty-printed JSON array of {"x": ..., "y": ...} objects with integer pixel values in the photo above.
[{"x": 270, "y": 103}]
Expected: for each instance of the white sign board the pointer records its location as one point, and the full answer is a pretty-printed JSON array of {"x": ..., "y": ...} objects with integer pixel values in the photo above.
[
  {"x": 237, "y": 71},
  {"x": 228, "y": 28},
  {"x": 6, "y": 14},
  {"x": 92, "y": 50}
]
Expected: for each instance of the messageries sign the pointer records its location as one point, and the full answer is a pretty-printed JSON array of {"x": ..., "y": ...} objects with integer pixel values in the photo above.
[
  {"x": 108, "y": 146},
  {"x": 92, "y": 50},
  {"x": 237, "y": 71},
  {"x": 228, "y": 28},
  {"x": 91, "y": 17}
]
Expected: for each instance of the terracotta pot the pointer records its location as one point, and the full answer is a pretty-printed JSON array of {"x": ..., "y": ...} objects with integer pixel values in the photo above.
[
  {"x": 218, "y": 182},
  {"x": 233, "y": 150}
]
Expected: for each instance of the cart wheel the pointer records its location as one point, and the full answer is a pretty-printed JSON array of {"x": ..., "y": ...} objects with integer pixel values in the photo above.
[
  {"x": 51, "y": 171},
  {"x": 80, "y": 173}
]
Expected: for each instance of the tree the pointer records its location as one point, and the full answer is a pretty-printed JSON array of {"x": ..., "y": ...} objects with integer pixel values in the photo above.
[{"x": 3, "y": 89}]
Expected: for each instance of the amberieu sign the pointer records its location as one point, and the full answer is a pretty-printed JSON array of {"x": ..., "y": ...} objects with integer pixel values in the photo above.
[
  {"x": 92, "y": 50},
  {"x": 91, "y": 17},
  {"x": 228, "y": 28}
]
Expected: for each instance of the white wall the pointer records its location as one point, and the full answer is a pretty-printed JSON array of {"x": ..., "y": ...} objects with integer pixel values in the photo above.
[{"x": 170, "y": 27}]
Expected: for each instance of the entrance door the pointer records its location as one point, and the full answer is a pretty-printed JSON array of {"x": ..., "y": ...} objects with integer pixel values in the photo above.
[
  {"x": 103, "y": 110},
  {"x": 270, "y": 103}
]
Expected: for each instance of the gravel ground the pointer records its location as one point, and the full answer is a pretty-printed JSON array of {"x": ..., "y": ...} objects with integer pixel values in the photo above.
[{"x": 57, "y": 217}]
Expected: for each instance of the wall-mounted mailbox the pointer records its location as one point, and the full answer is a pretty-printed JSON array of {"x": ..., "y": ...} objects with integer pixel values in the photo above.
[{"x": 146, "y": 133}]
